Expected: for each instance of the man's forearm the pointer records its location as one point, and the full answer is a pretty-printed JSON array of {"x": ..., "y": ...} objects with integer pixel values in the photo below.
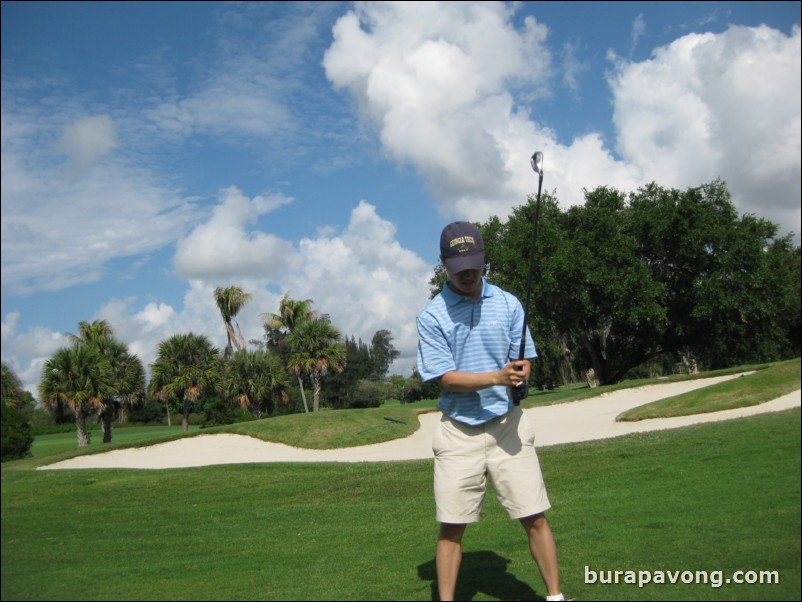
[
  {"x": 461, "y": 382},
  {"x": 508, "y": 376}
]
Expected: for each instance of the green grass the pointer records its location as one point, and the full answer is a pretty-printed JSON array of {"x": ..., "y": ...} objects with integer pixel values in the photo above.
[
  {"x": 578, "y": 392},
  {"x": 713, "y": 497},
  {"x": 752, "y": 389},
  {"x": 331, "y": 429},
  {"x": 327, "y": 429},
  {"x": 48, "y": 445},
  {"x": 723, "y": 496}
]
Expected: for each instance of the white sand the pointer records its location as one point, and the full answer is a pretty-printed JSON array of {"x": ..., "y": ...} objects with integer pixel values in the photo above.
[{"x": 562, "y": 423}]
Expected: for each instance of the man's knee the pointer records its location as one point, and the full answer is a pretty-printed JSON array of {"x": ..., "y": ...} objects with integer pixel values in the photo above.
[
  {"x": 452, "y": 532},
  {"x": 535, "y": 521}
]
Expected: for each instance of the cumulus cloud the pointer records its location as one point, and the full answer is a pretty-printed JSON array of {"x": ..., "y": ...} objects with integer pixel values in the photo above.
[
  {"x": 718, "y": 105},
  {"x": 442, "y": 101},
  {"x": 706, "y": 106},
  {"x": 365, "y": 280},
  {"x": 222, "y": 247},
  {"x": 362, "y": 276},
  {"x": 26, "y": 352},
  {"x": 434, "y": 80}
]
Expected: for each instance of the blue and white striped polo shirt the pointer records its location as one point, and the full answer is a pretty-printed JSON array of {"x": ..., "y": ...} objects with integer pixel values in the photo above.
[{"x": 455, "y": 333}]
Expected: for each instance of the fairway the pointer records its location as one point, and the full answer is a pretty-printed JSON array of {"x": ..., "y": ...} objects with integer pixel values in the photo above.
[{"x": 712, "y": 497}]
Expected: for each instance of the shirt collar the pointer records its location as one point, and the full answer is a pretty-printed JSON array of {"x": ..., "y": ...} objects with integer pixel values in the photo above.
[{"x": 453, "y": 298}]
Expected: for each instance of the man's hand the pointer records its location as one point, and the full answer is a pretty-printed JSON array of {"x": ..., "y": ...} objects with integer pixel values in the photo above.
[
  {"x": 516, "y": 372},
  {"x": 519, "y": 380}
]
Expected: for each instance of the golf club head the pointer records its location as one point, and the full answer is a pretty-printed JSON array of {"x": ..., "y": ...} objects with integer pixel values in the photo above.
[{"x": 537, "y": 162}]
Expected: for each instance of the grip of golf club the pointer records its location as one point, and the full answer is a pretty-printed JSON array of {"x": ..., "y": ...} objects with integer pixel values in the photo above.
[{"x": 519, "y": 392}]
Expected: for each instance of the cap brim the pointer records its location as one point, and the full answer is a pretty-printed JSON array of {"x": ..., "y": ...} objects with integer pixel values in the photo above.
[{"x": 472, "y": 261}]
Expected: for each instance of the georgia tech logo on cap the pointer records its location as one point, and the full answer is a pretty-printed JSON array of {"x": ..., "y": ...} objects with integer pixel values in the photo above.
[{"x": 462, "y": 240}]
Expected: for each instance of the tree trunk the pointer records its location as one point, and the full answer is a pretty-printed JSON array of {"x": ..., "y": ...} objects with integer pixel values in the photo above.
[
  {"x": 80, "y": 430},
  {"x": 232, "y": 341},
  {"x": 241, "y": 345},
  {"x": 105, "y": 422},
  {"x": 185, "y": 418},
  {"x": 315, "y": 393},
  {"x": 590, "y": 378},
  {"x": 107, "y": 416},
  {"x": 689, "y": 363},
  {"x": 303, "y": 394},
  {"x": 596, "y": 360}
]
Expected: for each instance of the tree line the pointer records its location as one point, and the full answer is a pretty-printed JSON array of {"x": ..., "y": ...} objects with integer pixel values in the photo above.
[
  {"x": 647, "y": 283},
  {"x": 97, "y": 377}
]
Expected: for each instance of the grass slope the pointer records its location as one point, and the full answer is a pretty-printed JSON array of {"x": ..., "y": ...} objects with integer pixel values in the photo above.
[{"x": 749, "y": 390}]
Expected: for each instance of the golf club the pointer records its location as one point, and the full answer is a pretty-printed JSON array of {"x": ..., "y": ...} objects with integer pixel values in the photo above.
[{"x": 521, "y": 390}]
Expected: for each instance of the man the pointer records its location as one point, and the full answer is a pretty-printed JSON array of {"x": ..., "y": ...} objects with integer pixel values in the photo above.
[{"x": 466, "y": 337}]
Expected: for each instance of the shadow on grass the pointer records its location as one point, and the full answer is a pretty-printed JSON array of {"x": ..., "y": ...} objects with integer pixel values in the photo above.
[{"x": 485, "y": 573}]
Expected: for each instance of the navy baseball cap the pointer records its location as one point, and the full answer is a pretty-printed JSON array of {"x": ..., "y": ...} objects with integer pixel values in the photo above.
[{"x": 462, "y": 247}]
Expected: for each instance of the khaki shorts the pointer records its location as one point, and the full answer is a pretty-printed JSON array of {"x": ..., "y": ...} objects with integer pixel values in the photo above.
[{"x": 504, "y": 450}]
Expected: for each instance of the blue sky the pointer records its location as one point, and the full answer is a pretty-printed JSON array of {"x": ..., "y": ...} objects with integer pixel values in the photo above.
[{"x": 152, "y": 151}]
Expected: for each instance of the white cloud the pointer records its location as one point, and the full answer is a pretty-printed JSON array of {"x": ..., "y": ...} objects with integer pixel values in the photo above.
[
  {"x": 718, "y": 105},
  {"x": 435, "y": 81},
  {"x": 706, "y": 106},
  {"x": 231, "y": 108},
  {"x": 223, "y": 248},
  {"x": 26, "y": 352},
  {"x": 362, "y": 277},
  {"x": 638, "y": 29},
  {"x": 442, "y": 101},
  {"x": 60, "y": 227},
  {"x": 365, "y": 280},
  {"x": 88, "y": 140},
  {"x": 573, "y": 68}
]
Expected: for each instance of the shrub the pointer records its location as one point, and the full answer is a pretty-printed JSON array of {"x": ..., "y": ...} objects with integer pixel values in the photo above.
[{"x": 15, "y": 433}]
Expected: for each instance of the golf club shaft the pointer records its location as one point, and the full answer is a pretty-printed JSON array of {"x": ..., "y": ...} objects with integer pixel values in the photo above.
[
  {"x": 520, "y": 391},
  {"x": 522, "y": 350}
]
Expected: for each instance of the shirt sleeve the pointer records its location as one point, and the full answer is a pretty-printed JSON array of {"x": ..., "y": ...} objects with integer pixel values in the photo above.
[{"x": 434, "y": 356}]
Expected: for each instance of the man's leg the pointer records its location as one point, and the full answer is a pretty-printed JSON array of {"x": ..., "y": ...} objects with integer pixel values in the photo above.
[
  {"x": 544, "y": 550},
  {"x": 448, "y": 559}
]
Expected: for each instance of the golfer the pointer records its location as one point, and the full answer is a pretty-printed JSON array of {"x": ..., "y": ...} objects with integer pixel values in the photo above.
[{"x": 466, "y": 337}]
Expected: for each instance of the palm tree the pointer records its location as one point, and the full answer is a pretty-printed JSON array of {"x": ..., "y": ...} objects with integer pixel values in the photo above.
[
  {"x": 291, "y": 312},
  {"x": 91, "y": 331},
  {"x": 256, "y": 381},
  {"x": 129, "y": 381},
  {"x": 78, "y": 378},
  {"x": 315, "y": 348},
  {"x": 229, "y": 301},
  {"x": 186, "y": 367},
  {"x": 127, "y": 369}
]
